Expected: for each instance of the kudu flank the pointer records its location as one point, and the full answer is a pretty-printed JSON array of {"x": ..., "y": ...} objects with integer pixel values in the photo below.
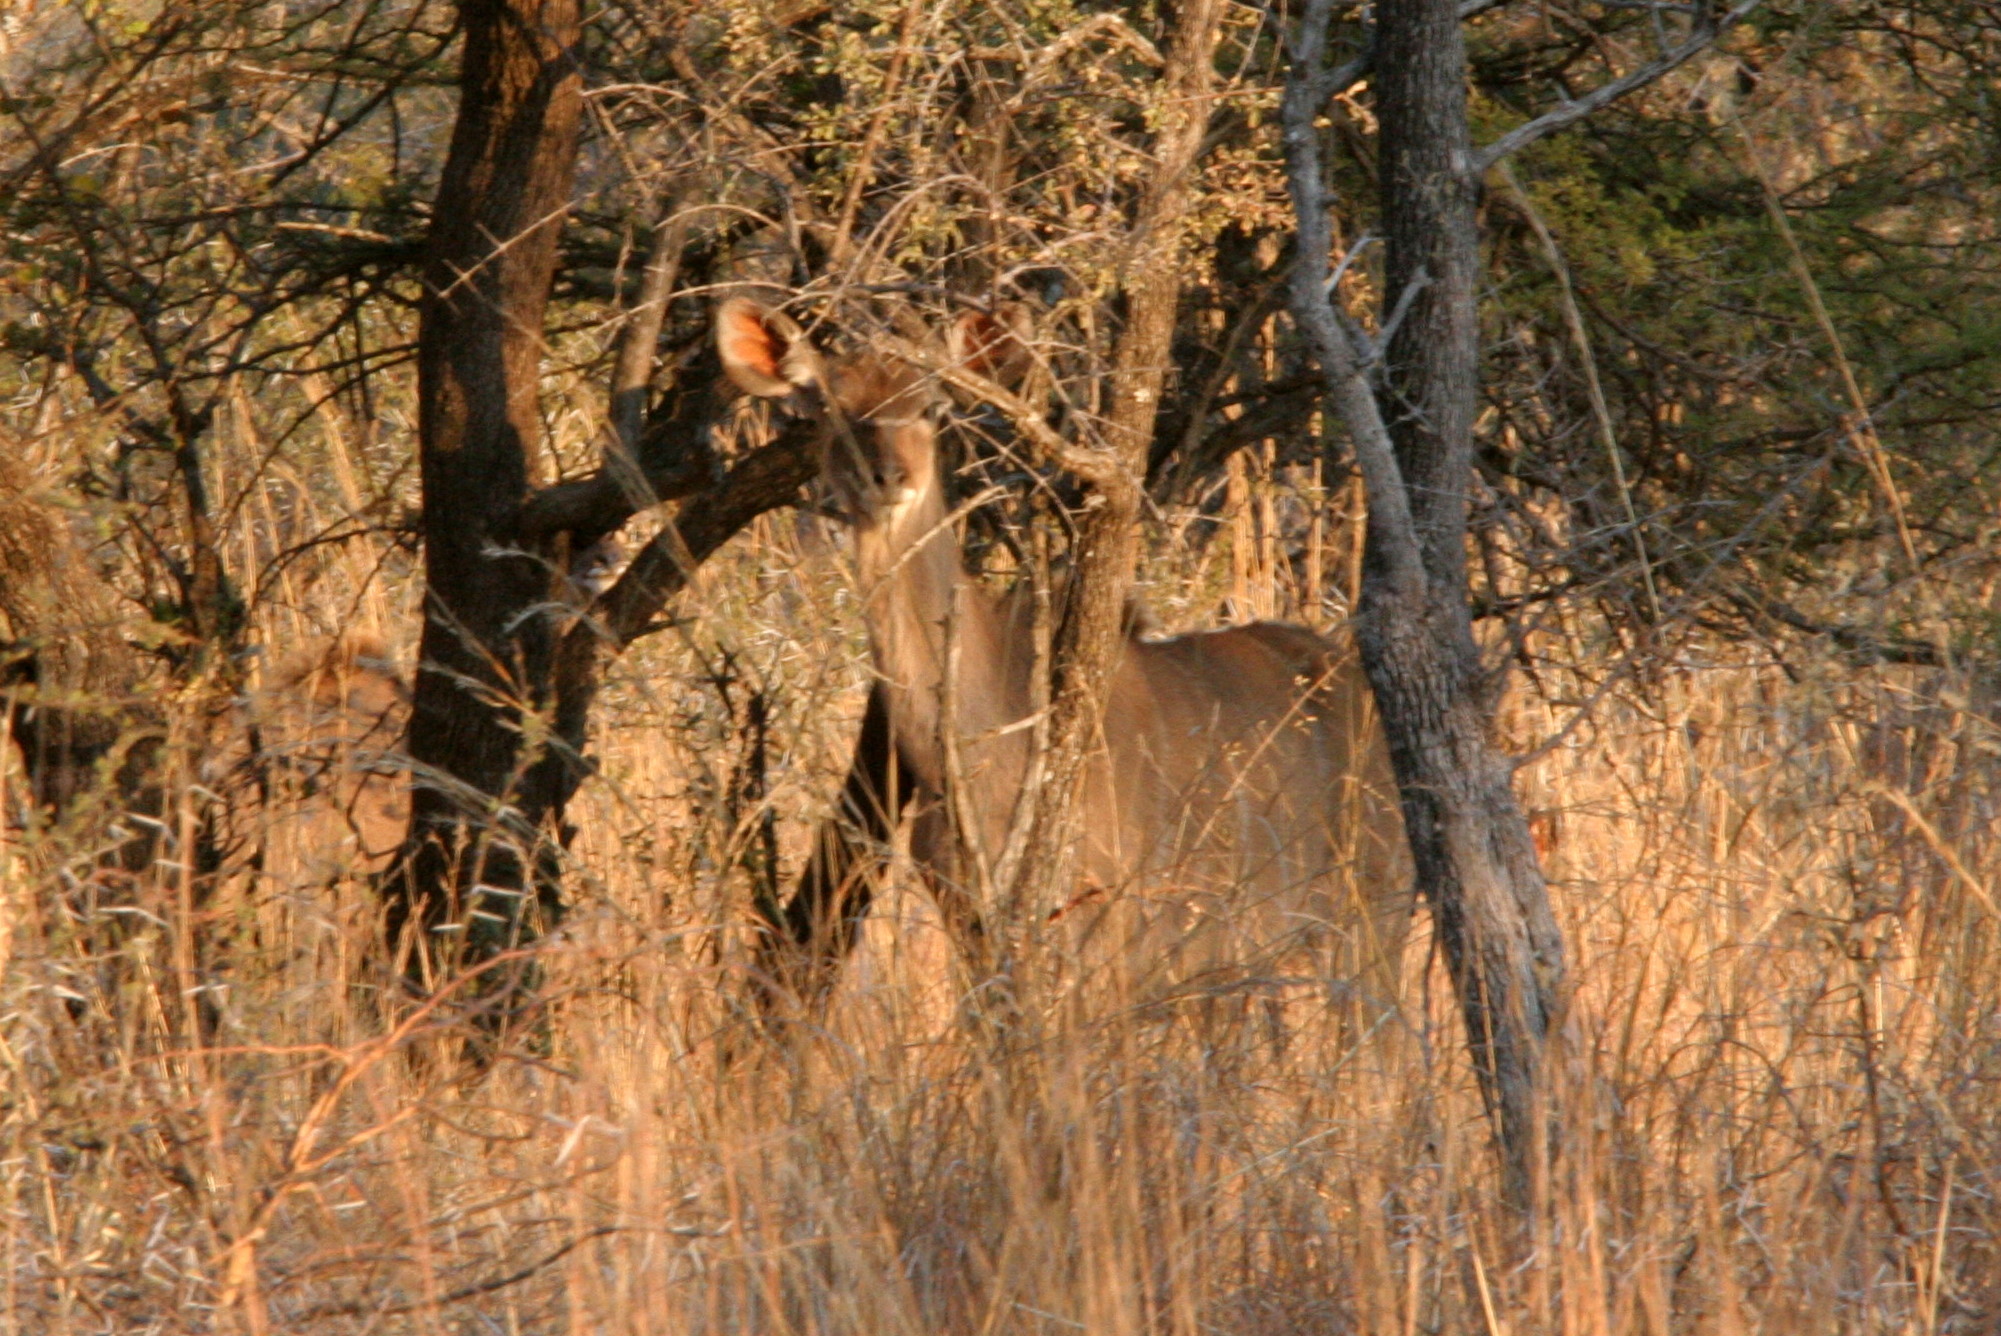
[{"x": 1241, "y": 776}]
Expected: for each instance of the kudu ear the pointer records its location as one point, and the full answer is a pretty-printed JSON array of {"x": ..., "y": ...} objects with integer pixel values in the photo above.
[
  {"x": 764, "y": 351},
  {"x": 994, "y": 345}
]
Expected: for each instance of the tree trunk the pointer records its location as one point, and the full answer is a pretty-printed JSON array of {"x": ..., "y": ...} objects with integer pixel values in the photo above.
[
  {"x": 1085, "y": 646},
  {"x": 1475, "y": 859},
  {"x": 486, "y": 649}
]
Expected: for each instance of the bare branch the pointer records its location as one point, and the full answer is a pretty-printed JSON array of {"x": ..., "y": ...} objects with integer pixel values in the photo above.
[
  {"x": 1379, "y": 347},
  {"x": 644, "y": 463},
  {"x": 615, "y": 493},
  {"x": 1343, "y": 77},
  {"x": 1099, "y": 467},
  {"x": 638, "y": 341},
  {"x": 1704, "y": 35},
  {"x": 763, "y": 480},
  {"x": 1334, "y": 346},
  {"x": 1353, "y": 254},
  {"x": 1859, "y": 646}
]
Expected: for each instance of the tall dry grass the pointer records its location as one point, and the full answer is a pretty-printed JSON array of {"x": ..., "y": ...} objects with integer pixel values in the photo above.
[{"x": 1776, "y": 1085}]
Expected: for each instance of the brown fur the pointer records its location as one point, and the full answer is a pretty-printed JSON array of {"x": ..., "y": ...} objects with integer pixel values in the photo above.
[
  {"x": 330, "y": 723},
  {"x": 1240, "y": 798},
  {"x": 85, "y": 714}
]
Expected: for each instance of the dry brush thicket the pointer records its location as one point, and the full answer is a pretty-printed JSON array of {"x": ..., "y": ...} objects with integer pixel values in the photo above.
[
  {"x": 1779, "y": 1090},
  {"x": 1768, "y": 806}
]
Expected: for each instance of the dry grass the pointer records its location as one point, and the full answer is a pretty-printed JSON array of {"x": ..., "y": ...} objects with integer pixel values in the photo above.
[{"x": 1780, "y": 897}]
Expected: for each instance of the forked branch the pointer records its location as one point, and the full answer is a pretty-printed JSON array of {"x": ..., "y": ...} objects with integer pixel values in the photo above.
[
  {"x": 1703, "y": 34},
  {"x": 763, "y": 480},
  {"x": 1335, "y": 346},
  {"x": 1332, "y": 83},
  {"x": 673, "y": 461}
]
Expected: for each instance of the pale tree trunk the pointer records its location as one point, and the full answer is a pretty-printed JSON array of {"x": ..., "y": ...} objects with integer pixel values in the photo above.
[
  {"x": 1085, "y": 644},
  {"x": 1475, "y": 861},
  {"x": 1413, "y": 440},
  {"x": 1475, "y": 858}
]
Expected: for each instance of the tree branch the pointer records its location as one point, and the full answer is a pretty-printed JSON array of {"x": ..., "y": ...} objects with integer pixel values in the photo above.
[
  {"x": 1859, "y": 646},
  {"x": 639, "y": 340},
  {"x": 1334, "y": 347},
  {"x": 674, "y": 460},
  {"x": 1705, "y": 34},
  {"x": 763, "y": 480}
]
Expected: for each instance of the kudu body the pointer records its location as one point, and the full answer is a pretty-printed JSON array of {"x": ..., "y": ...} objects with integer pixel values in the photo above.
[
  {"x": 306, "y": 761},
  {"x": 1239, "y": 780},
  {"x": 330, "y": 725}
]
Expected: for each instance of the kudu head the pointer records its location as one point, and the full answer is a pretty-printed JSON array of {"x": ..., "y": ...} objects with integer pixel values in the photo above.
[{"x": 877, "y": 413}]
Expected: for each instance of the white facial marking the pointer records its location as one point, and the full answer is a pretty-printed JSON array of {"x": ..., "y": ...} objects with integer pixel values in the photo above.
[{"x": 899, "y": 510}]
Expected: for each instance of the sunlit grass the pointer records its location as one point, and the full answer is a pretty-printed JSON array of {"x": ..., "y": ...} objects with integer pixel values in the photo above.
[{"x": 1777, "y": 1082}]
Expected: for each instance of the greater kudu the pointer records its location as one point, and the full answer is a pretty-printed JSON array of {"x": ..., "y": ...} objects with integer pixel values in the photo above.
[{"x": 1240, "y": 776}]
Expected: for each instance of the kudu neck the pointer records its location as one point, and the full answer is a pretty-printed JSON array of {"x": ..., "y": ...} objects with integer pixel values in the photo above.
[
  {"x": 913, "y": 583},
  {"x": 911, "y": 553}
]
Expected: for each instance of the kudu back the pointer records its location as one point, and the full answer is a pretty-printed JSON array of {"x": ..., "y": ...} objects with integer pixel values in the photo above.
[
  {"x": 1238, "y": 802},
  {"x": 300, "y": 776},
  {"x": 330, "y": 727}
]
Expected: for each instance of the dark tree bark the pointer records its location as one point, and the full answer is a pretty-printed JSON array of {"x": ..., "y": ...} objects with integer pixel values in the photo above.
[
  {"x": 1475, "y": 860},
  {"x": 487, "y": 646},
  {"x": 510, "y": 669},
  {"x": 1413, "y": 439}
]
